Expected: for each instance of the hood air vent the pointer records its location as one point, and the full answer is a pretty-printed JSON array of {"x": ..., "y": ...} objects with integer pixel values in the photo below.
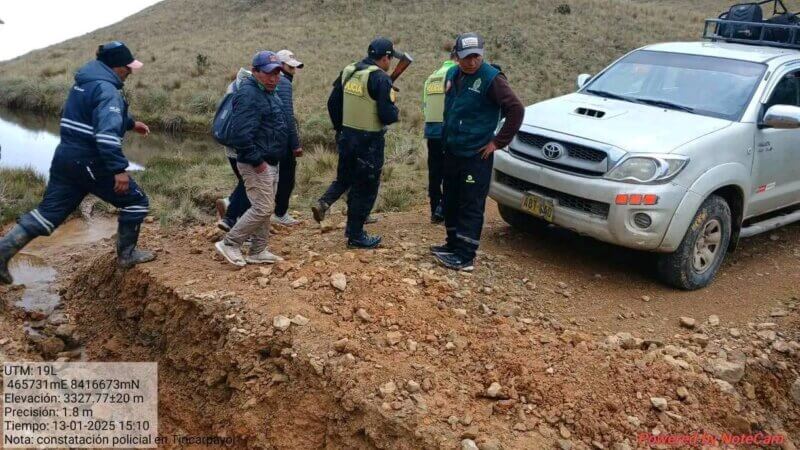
[{"x": 594, "y": 113}]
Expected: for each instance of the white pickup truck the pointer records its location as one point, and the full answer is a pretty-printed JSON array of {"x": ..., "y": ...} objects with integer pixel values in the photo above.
[{"x": 676, "y": 148}]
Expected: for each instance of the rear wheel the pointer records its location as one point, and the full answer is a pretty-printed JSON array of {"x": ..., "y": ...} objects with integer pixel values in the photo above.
[
  {"x": 698, "y": 258},
  {"x": 520, "y": 220}
]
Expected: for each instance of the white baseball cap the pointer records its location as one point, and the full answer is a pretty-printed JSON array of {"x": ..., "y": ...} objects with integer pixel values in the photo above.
[{"x": 286, "y": 56}]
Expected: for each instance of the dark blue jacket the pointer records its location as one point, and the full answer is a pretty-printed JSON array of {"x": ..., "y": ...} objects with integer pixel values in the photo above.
[
  {"x": 95, "y": 118},
  {"x": 285, "y": 93},
  {"x": 379, "y": 87},
  {"x": 258, "y": 124}
]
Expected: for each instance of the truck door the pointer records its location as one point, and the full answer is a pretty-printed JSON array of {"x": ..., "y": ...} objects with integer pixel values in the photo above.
[{"x": 776, "y": 166}]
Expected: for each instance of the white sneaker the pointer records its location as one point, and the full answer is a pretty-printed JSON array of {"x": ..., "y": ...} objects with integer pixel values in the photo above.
[
  {"x": 231, "y": 254},
  {"x": 265, "y": 257},
  {"x": 285, "y": 220}
]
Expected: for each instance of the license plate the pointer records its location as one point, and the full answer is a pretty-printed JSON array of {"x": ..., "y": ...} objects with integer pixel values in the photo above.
[{"x": 538, "y": 206}]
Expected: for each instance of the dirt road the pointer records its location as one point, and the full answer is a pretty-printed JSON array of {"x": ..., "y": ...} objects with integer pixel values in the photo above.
[{"x": 549, "y": 343}]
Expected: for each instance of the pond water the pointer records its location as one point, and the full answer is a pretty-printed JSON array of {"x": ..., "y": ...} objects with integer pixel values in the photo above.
[{"x": 28, "y": 140}]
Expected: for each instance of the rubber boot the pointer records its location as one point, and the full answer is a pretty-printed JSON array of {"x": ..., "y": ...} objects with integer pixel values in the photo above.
[
  {"x": 10, "y": 245},
  {"x": 127, "y": 253}
]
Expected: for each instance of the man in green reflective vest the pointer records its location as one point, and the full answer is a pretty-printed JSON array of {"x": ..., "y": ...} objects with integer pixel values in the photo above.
[
  {"x": 477, "y": 96},
  {"x": 433, "y": 110},
  {"x": 360, "y": 106}
]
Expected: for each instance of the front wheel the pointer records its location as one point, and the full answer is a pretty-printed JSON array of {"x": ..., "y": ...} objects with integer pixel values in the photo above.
[{"x": 698, "y": 258}]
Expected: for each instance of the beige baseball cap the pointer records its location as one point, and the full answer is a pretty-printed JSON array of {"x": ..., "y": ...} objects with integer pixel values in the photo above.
[{"x": 286, "y": 56}]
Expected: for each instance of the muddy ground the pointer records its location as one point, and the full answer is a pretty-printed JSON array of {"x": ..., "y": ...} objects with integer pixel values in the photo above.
[{"x": 555, "y": 341}]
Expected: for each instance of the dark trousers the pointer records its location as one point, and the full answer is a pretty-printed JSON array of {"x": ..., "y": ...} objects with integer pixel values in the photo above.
[
  {"x": 359, "y": 172},
  {"x": 239, "y": 202},
  {"x": 286, "y": 175},
  {"x": 70, "y": 181},
  {"x": 435, "y": 172},
  {"x": 466, "y": 185}
]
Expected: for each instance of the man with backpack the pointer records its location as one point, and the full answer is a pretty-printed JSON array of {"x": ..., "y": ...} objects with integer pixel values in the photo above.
[
  {"x": 89, "y": 159},
  {"x": 257, "y": 130}
]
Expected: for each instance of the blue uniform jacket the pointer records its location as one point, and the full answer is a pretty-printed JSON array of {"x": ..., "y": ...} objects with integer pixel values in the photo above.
[{"x": 95, "y": 118}]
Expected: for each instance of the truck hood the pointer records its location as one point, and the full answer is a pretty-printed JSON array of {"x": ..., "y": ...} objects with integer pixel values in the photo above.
[{"x": 628, "y": 126}]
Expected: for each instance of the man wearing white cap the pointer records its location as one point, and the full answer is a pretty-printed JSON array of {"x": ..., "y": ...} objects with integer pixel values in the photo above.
[
  {"x": 89, "y": 159},
  {"x": 288, "y": 165}
]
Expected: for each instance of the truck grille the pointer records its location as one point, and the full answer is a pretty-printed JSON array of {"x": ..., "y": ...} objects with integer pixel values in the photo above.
[
  {"x": 573, "y": 150},
  {"x": 585, "y": 205}
]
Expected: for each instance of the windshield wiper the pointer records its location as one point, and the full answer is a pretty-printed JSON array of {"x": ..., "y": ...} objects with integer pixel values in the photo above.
[
  {"x": 606, "y": 94},
  {"x": 665, "y": 104}
]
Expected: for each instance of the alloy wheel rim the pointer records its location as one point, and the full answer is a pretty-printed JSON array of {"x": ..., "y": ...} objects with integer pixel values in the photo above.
[{"x": 706, "y": 248}]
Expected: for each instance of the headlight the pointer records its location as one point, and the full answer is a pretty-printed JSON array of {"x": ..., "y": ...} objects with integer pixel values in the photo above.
[{"x": 646, "y": 169}]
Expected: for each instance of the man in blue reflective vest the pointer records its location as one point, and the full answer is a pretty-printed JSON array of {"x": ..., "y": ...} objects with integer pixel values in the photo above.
[
  {"x": 89, "y": 159},
  {"x": 477, "y": 96}
]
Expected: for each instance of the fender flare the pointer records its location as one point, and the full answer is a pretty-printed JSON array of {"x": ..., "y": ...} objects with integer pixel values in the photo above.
[{"x": 728, "y": 174}]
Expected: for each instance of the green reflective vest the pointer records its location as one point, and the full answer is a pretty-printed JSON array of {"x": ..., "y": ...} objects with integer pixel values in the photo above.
[
  {"x": 360, "y": 111},
  {"x": 433, "y": 94}
]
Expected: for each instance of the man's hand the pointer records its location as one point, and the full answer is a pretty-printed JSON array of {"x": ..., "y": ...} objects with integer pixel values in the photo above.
[
  {"x": 488, "y": 150},
  {"x": 298, "y": 152},
  {"x": 141, "y": 128},
  {"x": 122, "y": 182},
  {"x": 260, "y": 168}
]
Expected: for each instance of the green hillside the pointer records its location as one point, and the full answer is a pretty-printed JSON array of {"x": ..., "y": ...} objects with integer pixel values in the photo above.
[{"x": 192, "y": 48}]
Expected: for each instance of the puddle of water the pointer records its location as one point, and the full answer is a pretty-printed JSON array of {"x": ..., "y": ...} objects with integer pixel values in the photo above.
[
  {"x": 31, "y": 269},
  {"x": 28, "y": 140},
  {"x": 37, "y": 276}
]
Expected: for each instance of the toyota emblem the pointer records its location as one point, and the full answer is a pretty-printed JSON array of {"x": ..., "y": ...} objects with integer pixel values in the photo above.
[{"x": 553, "y": 150}]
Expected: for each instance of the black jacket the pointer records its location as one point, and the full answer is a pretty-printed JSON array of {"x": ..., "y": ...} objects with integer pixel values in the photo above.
[
  {"x": 258, "y": 124},
  {"x": 379, "y": 87}
]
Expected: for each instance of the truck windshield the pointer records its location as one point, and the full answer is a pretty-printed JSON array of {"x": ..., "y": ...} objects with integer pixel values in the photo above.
[{"x": 705, "y": 85}]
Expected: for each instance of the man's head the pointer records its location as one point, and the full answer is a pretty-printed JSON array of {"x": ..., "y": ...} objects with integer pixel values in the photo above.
[
  {"x": 267, "y": 69},
  {"x": 381, "y": 50},
  {"x": 119, "y": 58},
  {"x": 290, "y": 64},
  {"x": 469, "y": 51}
]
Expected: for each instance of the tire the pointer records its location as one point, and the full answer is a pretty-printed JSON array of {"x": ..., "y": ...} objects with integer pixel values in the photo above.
[
  {"x": 698, "y": 258},
  {"x": 521, "y": 221}
]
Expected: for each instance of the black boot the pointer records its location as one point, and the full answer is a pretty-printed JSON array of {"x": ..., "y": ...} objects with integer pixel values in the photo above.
[
  {"x": 10, "y": 245},
  {"x": 319, "y": 211},
  {"x": 127, "y": 253}
]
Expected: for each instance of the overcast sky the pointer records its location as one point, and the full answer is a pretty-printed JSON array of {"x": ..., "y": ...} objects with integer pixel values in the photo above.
[{"x": 32, "y": 24}]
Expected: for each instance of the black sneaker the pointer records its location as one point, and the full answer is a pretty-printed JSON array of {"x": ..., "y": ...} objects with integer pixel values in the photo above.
[
  {"x": 319, "y": 210},
  {"x": 441, "y": 250},
  {"x": 455, "y": 262},
  {"x": 364, "y": 241}
]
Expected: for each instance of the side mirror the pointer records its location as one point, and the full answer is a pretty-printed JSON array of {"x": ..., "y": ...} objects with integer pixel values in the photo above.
[
  {"x": 782, "y": 117},
  {"x": 583, "y": 79}
]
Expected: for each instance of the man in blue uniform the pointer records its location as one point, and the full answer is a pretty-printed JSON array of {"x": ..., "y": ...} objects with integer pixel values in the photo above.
[
  {"x": 89, "y": 159},
  {"x": 361, "y": 106}
]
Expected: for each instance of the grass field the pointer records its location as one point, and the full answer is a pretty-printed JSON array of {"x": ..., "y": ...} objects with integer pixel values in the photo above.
[
  {"x": 20, "y": 191},
  {"x": 193, "y": 48}
]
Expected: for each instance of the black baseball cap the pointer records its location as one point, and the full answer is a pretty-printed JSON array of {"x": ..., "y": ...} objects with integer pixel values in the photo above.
[
  {"x": 117, "y": 54},
  {"x": 381, "y": 47},
  {"x": 468, "y": 44}
]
